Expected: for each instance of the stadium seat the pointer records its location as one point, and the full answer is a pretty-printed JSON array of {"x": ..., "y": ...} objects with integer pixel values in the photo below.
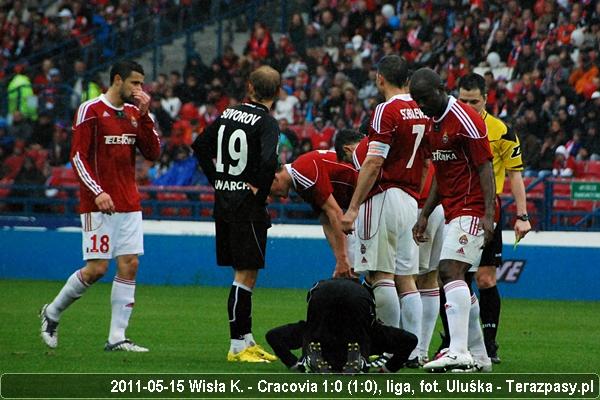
[
  {"x": 593, "y": 169},
  {"x": 580, "y": 168},
  {"x": 172, "y": 211},
  {"x": 562, "y": 187}
]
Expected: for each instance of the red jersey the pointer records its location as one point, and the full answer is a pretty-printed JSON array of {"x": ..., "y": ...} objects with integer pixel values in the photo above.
[
  {"x": 103, "y": 152},
  {"x": 318, "y": 174},
  {"x": 458, "y": 145},
  {"x": 396, "y": 131}
]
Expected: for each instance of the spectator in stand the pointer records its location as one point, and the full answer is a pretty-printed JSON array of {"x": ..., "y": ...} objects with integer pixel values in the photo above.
[
  {"x": 183, "y": 170},
  {"x": 28, "y": 175},
  {"x": 285, "y": 106},
  {"x": 322, "y": 135},
  {"x": 297, "y": 32},
  {"x": 563, "y": 166},
  {"x": 192, "y": 91},
  {"x": 160, "y": 115},
  {"x": 260, "y": 46},
  {"x": 42, "y": 130},
  {"x": 171, "y": 103},
  {"x": 330, "y": 29},
  {"x": 60, "y": 147}
]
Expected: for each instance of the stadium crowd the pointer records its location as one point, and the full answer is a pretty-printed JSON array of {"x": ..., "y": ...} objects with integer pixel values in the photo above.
[{"x": 539, "y": 58}]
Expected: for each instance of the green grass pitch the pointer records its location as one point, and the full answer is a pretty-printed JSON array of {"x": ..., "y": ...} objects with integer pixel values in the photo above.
[{"x": 186, "y": 330}]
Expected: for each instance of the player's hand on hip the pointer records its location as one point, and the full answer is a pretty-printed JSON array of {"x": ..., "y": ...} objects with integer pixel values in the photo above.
[
  {"x": 252, "y": 188},
  {"x": 342, "y": 270},
  {"x": 105, "y": 203},
  {"x": 142, "y": 99},
  {"x": 348, "y": 221},
  {"x": 419, "y": 229},
  {"x": 521, "y": 229},
  {"x": 487, "y": 224}
]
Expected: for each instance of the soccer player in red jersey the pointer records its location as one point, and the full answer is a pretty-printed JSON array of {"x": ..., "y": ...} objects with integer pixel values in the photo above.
[
  {"x": 106, "y": 132},
  {"x": 327, "y": 185},
  {"x": 388, "y": 184},
  {"x": 464, "y": 184}
]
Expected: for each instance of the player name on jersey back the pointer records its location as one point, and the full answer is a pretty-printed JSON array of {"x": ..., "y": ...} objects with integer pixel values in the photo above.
[
  {"x": 240, "y": 116},
  {"x": 412, "y": 113}
]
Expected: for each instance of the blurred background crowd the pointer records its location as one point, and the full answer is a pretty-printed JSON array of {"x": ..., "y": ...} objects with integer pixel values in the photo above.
[{"x": 539, "y": 58}]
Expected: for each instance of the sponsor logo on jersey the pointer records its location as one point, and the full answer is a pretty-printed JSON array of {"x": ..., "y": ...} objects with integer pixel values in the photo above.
[
  {"x": 412, "y": 113},
  {"x": 230, "y": 185},
  {"x": 106, "y": 114},
  {"x": 443, "y": 155},
  {"x": 363, "y": 248},
  {"x": 126, "y": 138},
  {"x": 463, "y": 240},
  {"x": 240, "y": 116},
  {"x": 510, "y": 271},
  {"x": 364, "y": 260},
  {"x": 134, "y": 122},
  {"x": 461, "y": 251}
]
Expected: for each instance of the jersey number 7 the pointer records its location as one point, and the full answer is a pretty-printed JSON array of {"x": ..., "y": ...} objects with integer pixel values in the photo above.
[
  {"x": 237, "y": 148},
  {"x": 419, "y": 130}
]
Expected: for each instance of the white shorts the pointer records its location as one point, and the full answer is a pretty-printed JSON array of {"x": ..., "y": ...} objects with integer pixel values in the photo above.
[
  {"x": 384, "y": 230},
  {"x": 463, "y": 240},
  {"x": 109, "y": 236},
  {"x": 353, "y": 245},
  {"x": 429, "y": 251}
]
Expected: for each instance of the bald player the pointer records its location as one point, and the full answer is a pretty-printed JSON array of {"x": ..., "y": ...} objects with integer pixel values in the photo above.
[{"x": 456, "y": 137}]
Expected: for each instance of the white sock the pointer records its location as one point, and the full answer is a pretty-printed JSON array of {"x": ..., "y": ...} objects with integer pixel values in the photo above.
[
  {"x": 458, "y": 304},
  {"x": 122, "y": 299},
  {"x": 249, "y": 339},
  {"x": 71, "y": 291},
  {"x": 411, "y": 313},
  {"x": 476, "y": 343},
  {"x": 430, "y": 298},
  {"x": 237, "y": 345},
  {"x": 387, "y": 304}
]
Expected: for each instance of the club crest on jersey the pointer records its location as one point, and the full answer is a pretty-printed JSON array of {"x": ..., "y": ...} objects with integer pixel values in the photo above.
[
  {"x": 445, "y": 138},
  {"x": 134, "y": 122},
  {"x": 363, "y": 249},
  {"x": 463, "y": 240}
]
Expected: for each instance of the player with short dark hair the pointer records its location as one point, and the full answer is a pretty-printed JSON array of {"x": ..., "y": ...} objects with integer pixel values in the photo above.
[
  {"x": 340, "y": 332},
  {"x": 384, "y": 202},
  {"x": 464, "y": 184},
  {"x": 238, "y": 154},
  {"x": 506, "y": 150},
  {"x": 326, "y": 184},
  {"x": 106, "y": 132}
]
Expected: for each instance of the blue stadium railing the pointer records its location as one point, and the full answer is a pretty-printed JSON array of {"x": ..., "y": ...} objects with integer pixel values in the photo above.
[{"x": 550, "y": 208}]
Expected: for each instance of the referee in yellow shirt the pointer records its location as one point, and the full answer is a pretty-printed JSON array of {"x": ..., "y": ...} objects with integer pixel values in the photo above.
[{"x": 507, "y": 161}]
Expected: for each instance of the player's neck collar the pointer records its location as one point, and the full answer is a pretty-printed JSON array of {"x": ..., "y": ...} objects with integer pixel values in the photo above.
[
  {"x": 108, "y": 103},
  {"x": 256, "y": 104},
  {"x": 451, "y": 101},
  {"x": 288, "y": 168}
]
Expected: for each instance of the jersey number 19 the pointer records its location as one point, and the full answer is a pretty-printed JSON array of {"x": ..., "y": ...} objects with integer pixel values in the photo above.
[{"x": 237, "y": 148}]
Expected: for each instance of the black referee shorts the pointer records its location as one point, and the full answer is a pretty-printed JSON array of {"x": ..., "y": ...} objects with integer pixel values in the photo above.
[
  {"x": 241, "y": 244},
  {"x": 492, "y": 253}
]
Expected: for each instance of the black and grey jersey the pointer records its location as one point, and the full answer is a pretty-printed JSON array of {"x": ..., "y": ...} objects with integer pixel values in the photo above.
[{"x": 238, "y": 149}]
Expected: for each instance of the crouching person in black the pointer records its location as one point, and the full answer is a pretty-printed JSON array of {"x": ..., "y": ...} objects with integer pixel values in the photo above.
[{"x": 340, "y": 332}]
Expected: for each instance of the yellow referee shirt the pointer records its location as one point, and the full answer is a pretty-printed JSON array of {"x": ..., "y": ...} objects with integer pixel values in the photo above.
[{"x": 506, "y": 149}]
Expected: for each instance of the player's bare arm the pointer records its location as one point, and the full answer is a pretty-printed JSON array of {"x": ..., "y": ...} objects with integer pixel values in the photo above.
[
  {"x": 366, "y": 179},
  {"x": 517, "y": 187},
  {"x": 431, "y": 203},
  {"x": 331, "y": 220},
  {"x": 486, "y": 177}
]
